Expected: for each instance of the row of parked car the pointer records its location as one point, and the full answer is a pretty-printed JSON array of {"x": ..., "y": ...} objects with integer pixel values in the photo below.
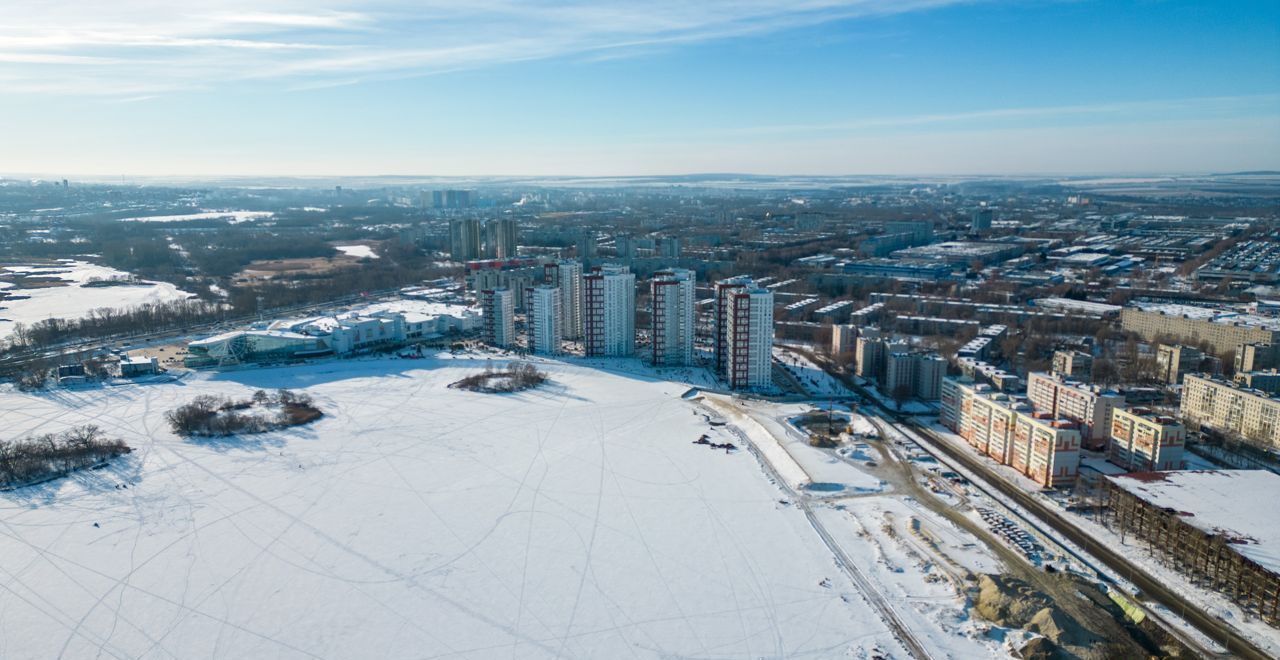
[{"x": 1011, "y": 532}]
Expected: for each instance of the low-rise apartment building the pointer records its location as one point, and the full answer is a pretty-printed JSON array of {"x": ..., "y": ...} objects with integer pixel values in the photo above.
[
  {"x": 1073, "y": 364},
  {"x": 1226, "y": 408},
  {"x": 1087, "y": 405},
  {"x": 1224, "y": 330},
  {"x": 1142, "y": 441},
  {"x": 1042, "y": 447}
]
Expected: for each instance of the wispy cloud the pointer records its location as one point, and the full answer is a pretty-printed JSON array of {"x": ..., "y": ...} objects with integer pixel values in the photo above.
[
  {"x": 338, "y": 20},
  {"x": 151, "y": 46},
  {"x": 134, "y": 99},
  {"x": 54, "y": 58},
  {"x": 1139, "y": 110}
]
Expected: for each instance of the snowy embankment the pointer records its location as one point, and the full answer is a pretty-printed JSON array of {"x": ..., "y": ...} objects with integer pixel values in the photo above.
[
  {"x": 765, "y": 442},
  {"x": 787, "y": 449},
  {"x": 574, "y": 520}
]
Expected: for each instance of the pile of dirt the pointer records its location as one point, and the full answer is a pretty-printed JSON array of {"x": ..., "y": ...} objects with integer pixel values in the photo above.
[
  {"x": 1056, "y": 625},
  {"x": 1012, "y": 603},
  {"x": 1039, "y": 648},
  {"x": 1007, "y": 601}
]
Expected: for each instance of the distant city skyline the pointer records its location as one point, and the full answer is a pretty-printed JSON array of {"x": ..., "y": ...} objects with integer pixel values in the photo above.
[{"x": 810, "y": 87}]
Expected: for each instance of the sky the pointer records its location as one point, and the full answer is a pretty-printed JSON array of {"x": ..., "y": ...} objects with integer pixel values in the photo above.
[{"x": 533, "y": 87}]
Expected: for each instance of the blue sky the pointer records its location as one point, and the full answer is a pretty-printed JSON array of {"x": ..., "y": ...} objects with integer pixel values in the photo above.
[{"x": 500, "y": 87}]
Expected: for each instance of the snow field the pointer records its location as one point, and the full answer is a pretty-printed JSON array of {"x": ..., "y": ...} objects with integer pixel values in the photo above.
[
  {"x": 357, "y": 251},
  {"x": 413, "y": 520}
]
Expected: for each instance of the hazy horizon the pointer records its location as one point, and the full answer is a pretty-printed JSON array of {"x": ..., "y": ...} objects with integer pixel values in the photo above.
[{"x": 407, "y": 178}]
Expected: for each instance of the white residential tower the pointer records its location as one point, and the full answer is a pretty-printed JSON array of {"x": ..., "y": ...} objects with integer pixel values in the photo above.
[
  {"x": 543, "y": 323},
  {"x": 672, "y": 299}
]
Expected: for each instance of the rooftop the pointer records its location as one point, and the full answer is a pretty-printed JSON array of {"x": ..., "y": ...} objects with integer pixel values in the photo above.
[
  {"x": 1234, "y": 385},
  {"x": 972, "y": 248},
  {"x": 1216, "y": 315},
  {"x": 834, "y": 307},
  {"x": 1080, "y": 305},
  {"x": 1152, "y": 416},
  {"x": 1210, "y": 500}
]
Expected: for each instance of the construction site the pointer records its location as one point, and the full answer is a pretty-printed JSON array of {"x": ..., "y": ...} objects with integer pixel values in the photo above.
[{"x": 1193, "y": 520}]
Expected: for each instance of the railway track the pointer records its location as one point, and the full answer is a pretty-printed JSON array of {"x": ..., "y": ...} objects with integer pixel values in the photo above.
[
  {"x": 873, "y": 596},
  {"x": 1152, "y": 588},
  {"x": 868, "y": 590}
]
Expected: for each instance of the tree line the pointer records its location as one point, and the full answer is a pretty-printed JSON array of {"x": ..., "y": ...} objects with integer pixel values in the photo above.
[
  {"x": 106, "y": 321},
  {"x": 51, "y": 455}
]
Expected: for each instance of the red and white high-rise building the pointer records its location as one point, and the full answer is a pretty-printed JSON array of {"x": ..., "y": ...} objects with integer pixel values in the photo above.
[
  {"x": 1089, "y": 406},
  {"x": 498, "y": 308},
  {"x": 609, "y": 312},
  {"x": 744, "y": 333}
]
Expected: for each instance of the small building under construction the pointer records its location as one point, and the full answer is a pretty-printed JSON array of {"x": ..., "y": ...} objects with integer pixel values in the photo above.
[{"x": 1217, "y": 527}]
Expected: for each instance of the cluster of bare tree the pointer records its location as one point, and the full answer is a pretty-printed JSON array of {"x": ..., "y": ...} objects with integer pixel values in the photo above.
[
  {"x": 223, "y": 253},
  {"x": 213, "y": 416},
  {"x": 399, "y": 266},
  {"x": 34, "y": 376},
  {"x": 104, "y": 322},
  {"x": 516, "y": 377},
  {"x": 51, "y": 455}
]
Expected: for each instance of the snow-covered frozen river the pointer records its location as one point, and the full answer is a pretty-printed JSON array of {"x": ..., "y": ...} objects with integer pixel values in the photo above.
[
  {"x": 73, "y": 300},
  {"x": 415, "y": 520}
]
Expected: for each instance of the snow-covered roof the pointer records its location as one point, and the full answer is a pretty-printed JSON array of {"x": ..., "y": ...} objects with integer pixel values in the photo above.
[
  {"x": 217, "y": 339},
  {"x": 420, "y": 306},
  {"x": 1078, "y": 305},
  {"x": 1216, "y": 315},
  {"x": 313, "y": 324},
  {"x": 1218, "y": 502},
  {"x": 801, "y": 303},
  {"x": 416, "y": 317},
  {"x": 834, "y": 307}
]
